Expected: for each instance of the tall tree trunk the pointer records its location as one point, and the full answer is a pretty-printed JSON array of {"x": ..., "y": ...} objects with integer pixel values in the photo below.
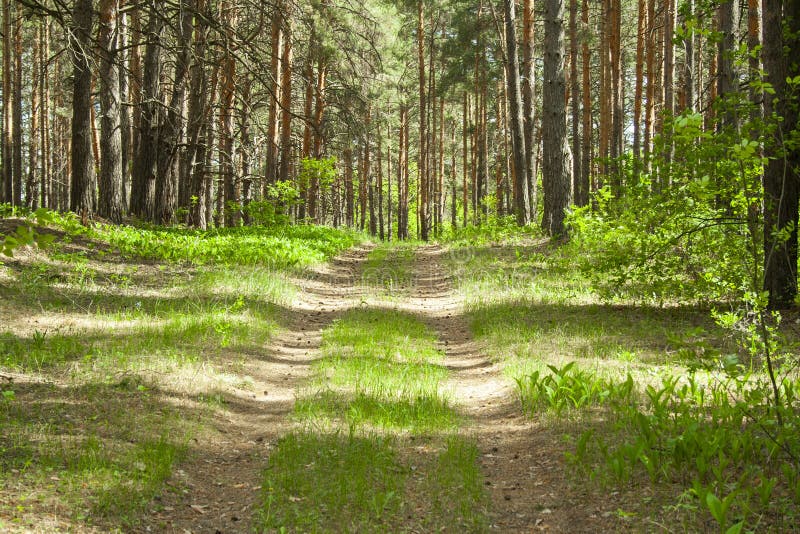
[
  {"x": 402, "y": 175},
  {"x": 650, "y": 59},
  {"x": 389, "y": 184},
  {"x": 146, "y": 160},
  {"x": 575, "y": 84},
  {"x": 271, "y": 171},
  {"x": 529, "y": 104},
  {"x": 465, "y": 127},
  {"x": 172, "y": 131},
  {"x": 123, "y": 41},
  {"x": 348, "y": 186},
  {"x": 727, "y": 82},
  {"x": 110, "y": 185},
  {"x": 638, "y": 91},
  {"x": 669, "y": 90},
  {"x": 227, "y": 157},
  {"x": 197, "y": 119},
  {"x": 781, "y": 179},
  {"x": 688, "y": 57},
  {"x": 617, "y": 111},
  {"x": 32, "y": 183},
  {"x": 8, "y": 101},
  {"x": 582, "y": 190},
  {"x": 286, "y": 100},
  {"x": 82, "y": 198},
  {"x": 556, "y": 165},
  {"x": 44, "y": 122},
  {"x": 16, "y": 132},
  {"x": 379, "y": 187},
  {"x": 521, "y": 200},
  {"x": 422, "y": 205}
]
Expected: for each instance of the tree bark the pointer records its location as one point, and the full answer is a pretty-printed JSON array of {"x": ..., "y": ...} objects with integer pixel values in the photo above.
[
  {"x": 521, "y": 201},
  {"x": 146, "y": 160},
  {"x": 110, "y": 185},
  {"x": 781, "y": 178},
  {"x": 582, "y": 191},
  {"x": 16, "y": 132},
  {"x": 422, "y": 158},
  {"x": 286, "y": 100},
  {"x": 529, "y": 104},
  {"x": 556, "y": 165},
  {"x": 581, "y": 196},
  {"x": 82, "y": 198},
  {"x": 8, "y": 101}
]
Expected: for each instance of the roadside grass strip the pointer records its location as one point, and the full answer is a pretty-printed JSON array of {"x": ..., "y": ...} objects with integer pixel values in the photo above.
[{"x": 646, "y": 398}]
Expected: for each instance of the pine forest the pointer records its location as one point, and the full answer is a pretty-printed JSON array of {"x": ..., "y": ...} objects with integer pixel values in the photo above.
[{"x": 399, "y": 266}]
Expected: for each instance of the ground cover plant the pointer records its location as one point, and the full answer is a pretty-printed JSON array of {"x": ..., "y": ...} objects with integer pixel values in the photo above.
[
  {"x": 656, "y": 400},
  {"x": 117, "y": 347}
]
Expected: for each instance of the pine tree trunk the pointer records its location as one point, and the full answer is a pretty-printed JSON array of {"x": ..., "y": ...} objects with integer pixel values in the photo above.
[
  {"x": 581, "y": 195},
  {"x": 110, "y": 184},
  {"x": 381, "y": 229},
  {"x": 227, "y": 145},
  {"x": 286, "y": 100},
  {"x": 781, "y": 179},
  {"x": 146, "y": 160},
  {"x": 529, "y": 105},
  {"x": 16, "y": 133},
  {"x": 517, "y": 122},
  {"x": 271, "y": 171},
  {"x": 582, "y": 192},
  {"x": 32, "y": 183},
  {"x": 638, "y": 91},
  {"x": 82, "y": 198},
  {"x": 422, "y": 207},
  {"x": 196, "y": 122},
  {"x": 8, "y": 101},
  {"x": 556, "y": 165},
  {"x": 349, "y": 193},
  {"x": 465, "y": 127}
]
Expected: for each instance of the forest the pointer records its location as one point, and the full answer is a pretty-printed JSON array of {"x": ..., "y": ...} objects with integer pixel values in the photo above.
[{"x": 399, "y": 265}]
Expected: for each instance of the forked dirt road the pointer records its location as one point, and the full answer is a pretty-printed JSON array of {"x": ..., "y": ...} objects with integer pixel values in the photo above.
[{"x": 217, "y": 488}]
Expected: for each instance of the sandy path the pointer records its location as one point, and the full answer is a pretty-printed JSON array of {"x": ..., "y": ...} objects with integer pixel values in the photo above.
[
  {"x": 525, "y": 476},
  {"x": 217, "y": 488}
]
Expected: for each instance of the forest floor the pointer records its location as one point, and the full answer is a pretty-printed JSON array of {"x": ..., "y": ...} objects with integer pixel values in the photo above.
[
  {"x": 521, "y": 462},
  {"x": 152, "y": 396}
]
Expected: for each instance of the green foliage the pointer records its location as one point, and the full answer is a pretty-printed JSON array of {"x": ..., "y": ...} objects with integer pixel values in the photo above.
[
  {"x": 276, "y": 246},
  {"x": 456, "y": 485},
  {"x": 492, "y": 230},
  {"x": 379, "y": 368},
  {"x": 567, "y": 389},
  {"x": 25, "y": 234},
  {"x": 683, "y": 231},
  {"x": 708, "y": 434}
]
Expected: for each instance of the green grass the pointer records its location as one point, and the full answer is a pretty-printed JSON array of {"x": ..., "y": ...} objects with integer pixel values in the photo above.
[
  {"x": 389, "y": 268},
  {"x": 646, "y": 395},
  {"x": 456, "y": 486},
  {"x": 342, "y": 482},
  {"x": 382, "y": 368},
  {"x": 144, "y": 331},
  {"x": 94, "y": 452},
  {"x": 327, "y": 483},
  {"x": 277, "y": 246}
]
